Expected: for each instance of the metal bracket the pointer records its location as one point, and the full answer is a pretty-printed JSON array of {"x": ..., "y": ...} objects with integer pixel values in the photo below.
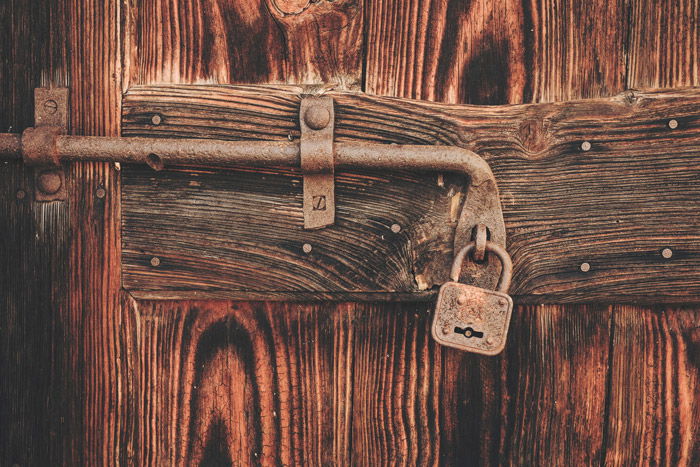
[
  {"x": 50, "y": 113},
  {"x": 316, "y": 119}
]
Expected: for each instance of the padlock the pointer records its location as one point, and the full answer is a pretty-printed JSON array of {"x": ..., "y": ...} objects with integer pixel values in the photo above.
[{"x": 471, "y": 318}]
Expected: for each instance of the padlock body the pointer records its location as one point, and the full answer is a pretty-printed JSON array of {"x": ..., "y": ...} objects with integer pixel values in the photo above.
[{"x": 473, "y": 311}]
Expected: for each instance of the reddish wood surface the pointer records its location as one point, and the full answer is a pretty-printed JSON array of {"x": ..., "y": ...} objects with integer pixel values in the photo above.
[{"x": 95, "y": 382}]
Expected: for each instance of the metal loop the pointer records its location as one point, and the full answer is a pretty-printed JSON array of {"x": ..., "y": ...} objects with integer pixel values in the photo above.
[
  {"x": 480, "y": 240},
  {"x": 498, "y": 250}
]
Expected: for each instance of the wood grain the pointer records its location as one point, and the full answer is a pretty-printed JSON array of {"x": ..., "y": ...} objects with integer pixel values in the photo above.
[
  {"x": 261, "y": 41},
  {"x": 221, "y": 383},
  {"x": 92, "y": 325},
  {"x": 654, "y": 396},
  {"x": 34, "y": 391},
  {"x": 487, "y": 52},
  {"x": 664, "y": 44},
  {"x": 563, "y": 206}
]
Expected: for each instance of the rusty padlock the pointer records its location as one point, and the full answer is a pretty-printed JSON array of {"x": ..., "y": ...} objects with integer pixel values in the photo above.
[{"x": 471, "y": 318}]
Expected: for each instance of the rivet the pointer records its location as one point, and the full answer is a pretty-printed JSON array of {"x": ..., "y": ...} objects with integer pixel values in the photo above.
[
  {"x": 100, "y": 192},
  {"x": 462, "y": 299},
  {"x": 489, "y": 340},
  {"x": 307, "y": 248},
  {"x": 317, "y": 117},
  {"x": 586, "y": 146},
  {"x": 585, "y": 267},
  {"x": 20, "y": 194},
  {"x": 155, "y": 261},
  {"x": 156, "y": 119},
  {"x": 673, "y": 124},
  {"x": 502, "y": 301},
  {"x": 50, "y": 106},
  {"x": 396, "y": 228},
  {"x": 446, "y": 330},
  {"x": 49, "y": 182},
  {"x": 667, "y": 253}
]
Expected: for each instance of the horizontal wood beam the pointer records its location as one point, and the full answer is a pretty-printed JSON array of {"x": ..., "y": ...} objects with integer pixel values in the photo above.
[{"x": 601, "y": 199}]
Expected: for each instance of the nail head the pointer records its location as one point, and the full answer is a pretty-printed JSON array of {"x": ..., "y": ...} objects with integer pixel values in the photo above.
[
  {"x": 307, "y": 248},
  {"x": 586, "y": 146},
  {"x": 155, "y": 261},
  {"x": 156, "y": 119},
  {"x": 462, "y": 299},
  {"x": 396, "y": 228},
  {"x": 100, "y": 192},
  {"x": 585, "y": 267},
  {"x": 317, "y": 117},
  {"x": 673, "y": 124},
  {"x": 667, "y": 253},
  {"x": 49, "y": 182},
  {"x": 20, "y": 194}
]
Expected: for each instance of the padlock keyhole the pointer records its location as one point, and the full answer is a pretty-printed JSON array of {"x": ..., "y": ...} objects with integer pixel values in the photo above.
[{"x": 468, "y": 332}]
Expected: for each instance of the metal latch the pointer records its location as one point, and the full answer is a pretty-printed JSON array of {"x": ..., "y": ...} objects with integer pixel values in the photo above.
[{"x": 46, "y": 146}]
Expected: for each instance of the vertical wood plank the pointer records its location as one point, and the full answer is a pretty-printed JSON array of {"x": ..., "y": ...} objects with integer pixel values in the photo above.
[
  {"x": 654, "y": 401},
  {"x": 664, "y": 44},
  {"x": 486, "y": 52},
  {"x": 396, "y": 387},
  {"x": 36, "y": 424},
  {"x": 95, "y": 327},
  {"x": 229, "y": 383},
  {"x": 261, "y": 41}
]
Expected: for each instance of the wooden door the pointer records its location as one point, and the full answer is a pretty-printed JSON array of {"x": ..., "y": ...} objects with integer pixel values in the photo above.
[{"x": 94, "y": 372}]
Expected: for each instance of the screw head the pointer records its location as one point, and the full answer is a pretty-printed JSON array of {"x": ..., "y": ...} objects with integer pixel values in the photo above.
[
  {"x": 317, "y": 117},
  {"x": 155, "y": 261},
  {"x": 586, "y": 146},
  {"x": 50, "y": 106},
  {"x": 673, "y": 124},
  {"x": 156, "y": 119},
  {"x": 49, "y": 182}
]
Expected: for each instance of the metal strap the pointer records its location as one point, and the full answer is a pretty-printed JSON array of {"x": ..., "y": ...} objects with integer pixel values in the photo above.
[{"x": 317, "y": 161}]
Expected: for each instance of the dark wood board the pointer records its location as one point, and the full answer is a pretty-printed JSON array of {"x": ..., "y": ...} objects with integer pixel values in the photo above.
[
  {"x": 615, "y": 207},
  {"x": 252, "y": 41}
]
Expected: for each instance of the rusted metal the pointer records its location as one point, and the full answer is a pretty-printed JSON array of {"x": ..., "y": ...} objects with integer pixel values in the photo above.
[
  {"x": 472, "y": 318},
  {"x": 317, "y": 161},
  {"x": 38, "y": 143},
  {"x": 481, "y": 204},
  {"x": 480, "y": 237}
]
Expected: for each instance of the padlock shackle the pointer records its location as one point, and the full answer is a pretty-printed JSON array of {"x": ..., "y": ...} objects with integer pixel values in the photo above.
[{"x": 495, "y": 248}]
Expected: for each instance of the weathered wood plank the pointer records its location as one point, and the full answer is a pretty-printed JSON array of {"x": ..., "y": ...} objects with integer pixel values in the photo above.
[
  {"x": 35, "y": 393},
  {"x": 496, "y": 52},
  {"x": 615, "y": 207},
  {"x": 654, "y": 398},
  {"x": 94, "y": 328},
  {"x": 664, "y": 44},
  {"x": 262, "y": 41},
  {"x": 221, "y": 383}
]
